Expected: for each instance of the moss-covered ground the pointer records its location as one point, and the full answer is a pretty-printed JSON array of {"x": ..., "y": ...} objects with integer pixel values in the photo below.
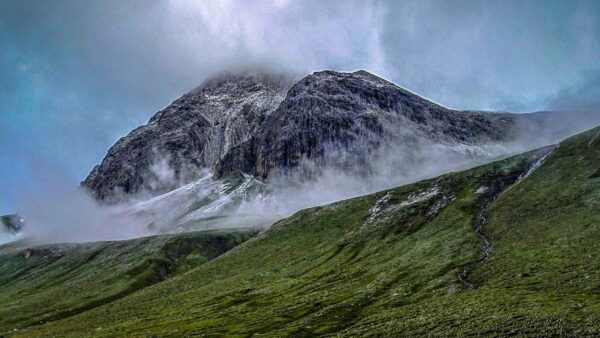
[{"x": 41, "y": 284}]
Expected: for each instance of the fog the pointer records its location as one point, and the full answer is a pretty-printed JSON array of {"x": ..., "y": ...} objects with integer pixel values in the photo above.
[
  {"x": 55, "y": 210},
  {"x": 71, "y": 215},
  {"x": 58, "y": 212},
  {"x": 77, "y": 76}
]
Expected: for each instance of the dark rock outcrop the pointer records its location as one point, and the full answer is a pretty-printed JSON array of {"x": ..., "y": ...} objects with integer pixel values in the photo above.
[
  {"x": 338, "y": 119},
  {"x": 266, "y": 125},
  {"x": 12, "y": 223},
  {"x": 194, "y": 132}
]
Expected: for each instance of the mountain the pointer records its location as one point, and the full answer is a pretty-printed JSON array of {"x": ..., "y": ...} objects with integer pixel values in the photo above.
[
  {"x": 11, "y": 223},
  {"x": 10, "y": 228},
  {"x": 256, "y": 147},
  {"x": 340, "y": 119},
  {"x": 506, "y": 248},
  {"x": 264, "y": 125},
  {"x": 193, "y": 133}
]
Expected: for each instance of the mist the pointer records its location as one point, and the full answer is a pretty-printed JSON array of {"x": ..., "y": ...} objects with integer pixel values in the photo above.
[
  {"x": 57, "y": 211},
  {"x": 74, "y": 216},
  {"x": 77, "y": 76}
]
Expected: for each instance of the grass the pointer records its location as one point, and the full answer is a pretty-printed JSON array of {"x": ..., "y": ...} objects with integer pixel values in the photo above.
[
  {"x": 347, "y": 269},
  {"x": 42, "y": 284}
]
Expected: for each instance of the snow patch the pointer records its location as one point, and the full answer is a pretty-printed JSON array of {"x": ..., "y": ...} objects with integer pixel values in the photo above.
[
  {"x": 377, "y": 208},
  {"x": 380, "y": 206},
  {"x": 420, "y": 197},
  {"x": 593, "y": 139},
  {"x": 481, "y": 190}
]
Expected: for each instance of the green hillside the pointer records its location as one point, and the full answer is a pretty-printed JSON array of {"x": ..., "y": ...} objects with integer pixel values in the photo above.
[
  {"x": 42, "y": 284},
  {"x": 390, "y": 264}
]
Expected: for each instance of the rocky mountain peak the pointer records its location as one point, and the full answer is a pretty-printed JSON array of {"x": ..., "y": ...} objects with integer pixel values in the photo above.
[
  {"x": 192, "y": 133},
  {"x": 265, "y": 125},
  {"x": 250, "y": 80},
  {"x": 339, "y": 119}
]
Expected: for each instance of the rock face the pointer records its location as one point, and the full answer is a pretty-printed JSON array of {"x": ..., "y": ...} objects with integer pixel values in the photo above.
[
  {"x": 194, "y": 132},
  {"x": 339, "y": 119},
  {"x": 264, "y": 126},
  {"x": 12, "y": 223}
]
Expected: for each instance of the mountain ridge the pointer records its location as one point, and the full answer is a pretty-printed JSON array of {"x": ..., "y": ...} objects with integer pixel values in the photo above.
[
  {"x": 212, "y": 126},
  {"x": 328, "y": 111},
  {"x": 188, "y": 135}
]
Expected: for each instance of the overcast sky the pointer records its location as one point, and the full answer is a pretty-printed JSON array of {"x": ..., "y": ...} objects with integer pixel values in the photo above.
[{"x": 77, "y": 75}]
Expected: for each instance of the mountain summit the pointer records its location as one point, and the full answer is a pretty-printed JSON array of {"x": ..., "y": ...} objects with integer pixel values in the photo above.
[
  {"x": 341, "y": 119},
  {"x": 192, "y": 133},
  {"x": 271, "y": 126},
  {"x": 262, "y": 124}
]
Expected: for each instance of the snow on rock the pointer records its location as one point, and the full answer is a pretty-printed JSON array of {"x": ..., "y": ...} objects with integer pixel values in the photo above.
[
  {"x": 481, "y": 190},
  {"x": 377, "y": 208},
  {"x": 382, "y": 207}
]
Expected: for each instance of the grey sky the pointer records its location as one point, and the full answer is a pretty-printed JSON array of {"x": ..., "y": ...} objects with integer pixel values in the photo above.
[{"x": 76, "y": 75}]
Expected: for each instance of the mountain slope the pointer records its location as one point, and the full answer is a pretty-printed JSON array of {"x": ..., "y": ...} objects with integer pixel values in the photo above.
[
  {"x": 40, "y": 284},
  {"x": 389, "y": 263},
  {"x": 340, "y": 119}
]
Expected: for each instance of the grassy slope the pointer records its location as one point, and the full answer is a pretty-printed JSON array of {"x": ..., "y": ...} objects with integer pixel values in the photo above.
[
  {"x": 328, "y": 270},
  {"x": 45, "y": 283}
]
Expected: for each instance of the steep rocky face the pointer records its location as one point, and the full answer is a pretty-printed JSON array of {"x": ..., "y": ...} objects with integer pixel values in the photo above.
[
  {"x": 267, "y": 126},
  {"x": 339, "y": 119},
  {"x": 194, "y": 132}
]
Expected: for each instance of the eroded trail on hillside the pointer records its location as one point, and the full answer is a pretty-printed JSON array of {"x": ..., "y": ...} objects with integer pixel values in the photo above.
[
  {"x": 499, "y": 186},
  {"x": 485, "y": 243}
]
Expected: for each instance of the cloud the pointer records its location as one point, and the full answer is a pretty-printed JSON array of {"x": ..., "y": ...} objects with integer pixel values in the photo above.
[
  {"x": 77, "y": 75},
  {"x": 582, "y": 96},
  {"x": 509, "y": 55}
]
